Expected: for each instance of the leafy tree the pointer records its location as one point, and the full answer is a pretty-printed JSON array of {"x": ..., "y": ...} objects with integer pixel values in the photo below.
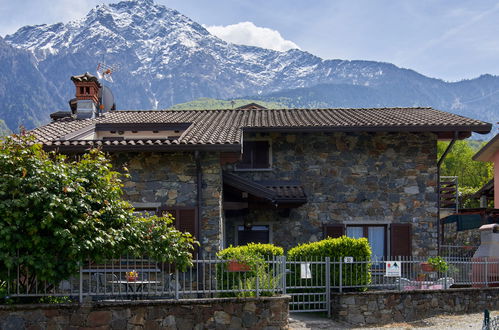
[
  {"x": 472, "y": 175},
  {"x": 56, "y": 212}
]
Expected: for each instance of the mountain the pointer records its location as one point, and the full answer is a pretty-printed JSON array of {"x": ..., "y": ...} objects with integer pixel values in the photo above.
[
  {"x": 23, "y": 90},
  {"x": 165, "y": 58}
]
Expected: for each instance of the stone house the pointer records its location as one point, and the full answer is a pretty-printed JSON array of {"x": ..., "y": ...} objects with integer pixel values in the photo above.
[{"x": 283, "y": 176}]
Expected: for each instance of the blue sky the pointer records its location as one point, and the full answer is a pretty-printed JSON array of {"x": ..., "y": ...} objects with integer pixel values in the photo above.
[{"x": 451, "y": 39}]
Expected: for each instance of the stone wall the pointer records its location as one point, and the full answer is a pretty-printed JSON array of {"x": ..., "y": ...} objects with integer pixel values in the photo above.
[
  {"x": 388, "y": 306},
  {"x": 170, "y": 179},
  {"x": 220, "y": 313},
  {"x": 355, "y": 178}
]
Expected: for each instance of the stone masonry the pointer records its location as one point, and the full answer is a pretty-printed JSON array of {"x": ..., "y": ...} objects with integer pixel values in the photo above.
[
  {"x": 382, "y": 307},
  {"x": 354, "y": 178},
  {"x": 169, "y": 179},
  {"x": 270, "y": 313}
]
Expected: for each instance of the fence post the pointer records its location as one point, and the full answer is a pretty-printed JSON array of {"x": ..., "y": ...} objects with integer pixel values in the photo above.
[
  {"x": 80, "y": 296},
  {"x": 445, "y": 276},
  {"x": 487, "y": 271},
  {"x": 176, "y": 284},
  {"x": 341, "y": 275},
  {"x": 400, "y": 277},
  {"x": 328, "y": 286},
  {"x": 257, "y": 286},
  {"x": 283, "y": 270}
]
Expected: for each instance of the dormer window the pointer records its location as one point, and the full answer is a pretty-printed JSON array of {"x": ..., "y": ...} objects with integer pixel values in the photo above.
[{"x": 256, "y": 155}]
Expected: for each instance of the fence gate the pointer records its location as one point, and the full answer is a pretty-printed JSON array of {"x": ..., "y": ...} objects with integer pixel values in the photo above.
[{"x": 308, "y": 284}]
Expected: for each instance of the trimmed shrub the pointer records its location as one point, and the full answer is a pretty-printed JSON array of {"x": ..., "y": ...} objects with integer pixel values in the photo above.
[
  {"x": 254, "y": 256},
  {"x": 356, "y": 274}
]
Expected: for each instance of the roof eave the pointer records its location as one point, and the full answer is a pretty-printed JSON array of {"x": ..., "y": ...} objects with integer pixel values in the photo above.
[
  {"x": 485, "y": 154},
  {"x": 145, "y": 148}
]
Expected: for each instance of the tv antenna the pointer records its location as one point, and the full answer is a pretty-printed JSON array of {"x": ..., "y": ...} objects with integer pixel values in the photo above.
[{"x": 105, "y": 71}]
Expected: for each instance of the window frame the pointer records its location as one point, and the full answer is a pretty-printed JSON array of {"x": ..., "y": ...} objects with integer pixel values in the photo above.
[
  {"x": 269, "y": 141},
  {"x": 241, "y": 223},
  {"x": 365, "y": 233}
]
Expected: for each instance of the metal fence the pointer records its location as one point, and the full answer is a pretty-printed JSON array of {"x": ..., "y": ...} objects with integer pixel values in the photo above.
[{"x": 308, "y": 281}]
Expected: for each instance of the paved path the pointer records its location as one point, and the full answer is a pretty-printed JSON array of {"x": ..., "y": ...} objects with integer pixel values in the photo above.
[{"x": 305, "y": 321}]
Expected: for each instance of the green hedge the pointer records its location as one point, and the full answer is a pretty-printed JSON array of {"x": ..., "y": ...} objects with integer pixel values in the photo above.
[
  {"x": 336, "y": 249},
  {"x": 255, "y": 256}
]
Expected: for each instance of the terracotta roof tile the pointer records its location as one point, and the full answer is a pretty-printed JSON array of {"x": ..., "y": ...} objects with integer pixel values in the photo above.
[{"x": 224, "y": 127}]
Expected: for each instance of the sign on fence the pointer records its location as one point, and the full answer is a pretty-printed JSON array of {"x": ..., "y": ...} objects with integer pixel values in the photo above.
[
  {"x": 393, "y": 269},
  {"x": 305, "y": 272},
  {"x": 348, "y": 260}
]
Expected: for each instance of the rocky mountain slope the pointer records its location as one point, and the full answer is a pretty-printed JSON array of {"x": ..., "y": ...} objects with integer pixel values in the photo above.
[{"x": 165, "y": 58}]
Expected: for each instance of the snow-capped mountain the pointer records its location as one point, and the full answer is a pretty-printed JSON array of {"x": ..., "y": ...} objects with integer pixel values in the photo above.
[{"x": 166, "y": 58}]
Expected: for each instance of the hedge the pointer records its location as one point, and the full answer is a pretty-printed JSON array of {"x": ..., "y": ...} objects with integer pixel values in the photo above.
[
  {"x": 255, "y": 256},
  {"x": 356, "y": 274}
]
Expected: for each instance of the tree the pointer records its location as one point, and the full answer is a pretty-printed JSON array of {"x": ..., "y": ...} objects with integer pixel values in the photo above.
[
  {"x": 472, "y": 175},
  {"x": 56, "y": 212}
]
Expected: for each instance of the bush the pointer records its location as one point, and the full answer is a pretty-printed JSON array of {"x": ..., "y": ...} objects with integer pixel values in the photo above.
[
  {"x": 57, "y": 212},
  {"x": 356, "y": 274},
  {"x": 254, "y": 255}
]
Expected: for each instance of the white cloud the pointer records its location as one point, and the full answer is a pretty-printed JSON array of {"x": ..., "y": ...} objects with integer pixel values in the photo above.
[{"x": 247, "y": 33}]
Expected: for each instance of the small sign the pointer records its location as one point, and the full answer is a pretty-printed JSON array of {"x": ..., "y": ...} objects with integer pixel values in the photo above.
[
  {"x": 393, "y": 268},
  {"x": 305, "y": 272},
  {"x": 348, "y": 260}
]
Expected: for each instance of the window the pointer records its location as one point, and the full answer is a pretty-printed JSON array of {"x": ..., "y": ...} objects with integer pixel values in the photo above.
[
  {"x": 254, "y": 234},
  {"x": 256, "y": 155},
  {"x": 376, "y": 235},
  {"x": 399, "y": 234}
]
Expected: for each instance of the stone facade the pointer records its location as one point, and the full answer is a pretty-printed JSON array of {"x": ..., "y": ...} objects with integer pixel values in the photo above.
[
  {"x": 383, "y": 307},
  {"x": 170, "y": 179},
  {"x": 270, "y": 313},
  {"x": 353, "y": 178}
]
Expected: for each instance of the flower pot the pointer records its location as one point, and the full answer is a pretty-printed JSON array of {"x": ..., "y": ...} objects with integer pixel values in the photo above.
[
  {"x": 131, "y": 278},
  {"x": 236, "y": 266},
  {"x": 426, "y": 267}
]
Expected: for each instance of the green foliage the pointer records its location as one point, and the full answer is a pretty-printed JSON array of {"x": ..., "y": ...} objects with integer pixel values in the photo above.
[
  {"x": 459, "y": 162},
  {"x": 267, "y": 284},
  {"x": 206, "y": 103},
  {"x": 254, "y": 255},
  {"x": 56, "y": 212},
  {"x": 356, "y": 274},
  {"x": 438, "y": 263},
  {"x": 55, "y": 300}
]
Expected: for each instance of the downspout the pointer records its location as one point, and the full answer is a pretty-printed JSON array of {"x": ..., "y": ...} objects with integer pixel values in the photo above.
[
  {"x": 199, "y": 187},
  {"x": 440, "y": 231}
]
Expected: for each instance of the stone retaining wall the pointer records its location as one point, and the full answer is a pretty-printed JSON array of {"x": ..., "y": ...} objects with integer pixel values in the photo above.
[
  {"x": 218, "y": 313},
  {"x": 390, "y": 306}
]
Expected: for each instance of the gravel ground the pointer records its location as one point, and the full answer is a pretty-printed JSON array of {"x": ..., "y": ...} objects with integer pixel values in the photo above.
[{"x": 302, "y": 321}]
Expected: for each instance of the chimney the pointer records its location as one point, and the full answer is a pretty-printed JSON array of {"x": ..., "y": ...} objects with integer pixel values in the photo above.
[{"x": 87, "y": 95}]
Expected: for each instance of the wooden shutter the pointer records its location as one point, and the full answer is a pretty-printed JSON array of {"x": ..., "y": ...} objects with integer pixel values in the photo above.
[
  {"x": 400, "y": 239},
  {"x": 185, "y": 221},
  {"x": 334, "y": 231}
]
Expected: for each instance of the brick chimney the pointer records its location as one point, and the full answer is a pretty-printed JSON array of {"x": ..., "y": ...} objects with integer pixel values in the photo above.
[{"x": 87, "y": 95}]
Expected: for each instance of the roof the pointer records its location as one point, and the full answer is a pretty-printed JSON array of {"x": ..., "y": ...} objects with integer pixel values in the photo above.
[
  {"x": 223, "y": 129},
  {"x": 485, "y": 154},
  {"x": 86, "y": 77},
  {"x": 278, "y": 192}
]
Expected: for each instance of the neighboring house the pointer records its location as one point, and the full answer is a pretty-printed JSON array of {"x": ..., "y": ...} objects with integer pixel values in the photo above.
[
  {"x": 490, "y": 153},
  {"x": 284, "y": 176}
]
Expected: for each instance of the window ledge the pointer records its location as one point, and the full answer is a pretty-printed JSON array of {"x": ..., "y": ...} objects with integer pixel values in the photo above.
[{"x": 253, "y": 169}]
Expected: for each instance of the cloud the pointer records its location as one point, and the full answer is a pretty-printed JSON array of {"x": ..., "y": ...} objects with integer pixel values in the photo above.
[{"x": 247, "y": 33}]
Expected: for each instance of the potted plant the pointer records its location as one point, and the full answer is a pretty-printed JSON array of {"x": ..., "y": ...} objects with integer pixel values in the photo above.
[
  {"x": 237, "y": 266},
  {"x": 435, "y": 264},
  {"x": 132, "y": 276}
]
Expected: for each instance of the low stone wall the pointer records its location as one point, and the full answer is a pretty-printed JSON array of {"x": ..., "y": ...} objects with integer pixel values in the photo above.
[
  {"x": 218, "y": 313},
  {"x": 392, "y": 306}
]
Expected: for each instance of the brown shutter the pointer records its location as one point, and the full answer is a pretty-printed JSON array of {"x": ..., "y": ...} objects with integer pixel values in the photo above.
[
  {"x": 187, "y": 221},
  {"x": 400, "y": 239},
  {"x": 334, "y": 231}
]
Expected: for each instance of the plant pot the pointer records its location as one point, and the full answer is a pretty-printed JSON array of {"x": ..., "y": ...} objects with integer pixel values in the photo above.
[
  {"x": 426, "y": 267},
  {"x": 236, "y": 266},
  {"x": 131, "y": 279},
  {"x": 421, "y": 277}
]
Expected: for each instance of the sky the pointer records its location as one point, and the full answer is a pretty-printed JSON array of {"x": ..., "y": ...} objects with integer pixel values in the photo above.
[{"x": 447, "y": 39}]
